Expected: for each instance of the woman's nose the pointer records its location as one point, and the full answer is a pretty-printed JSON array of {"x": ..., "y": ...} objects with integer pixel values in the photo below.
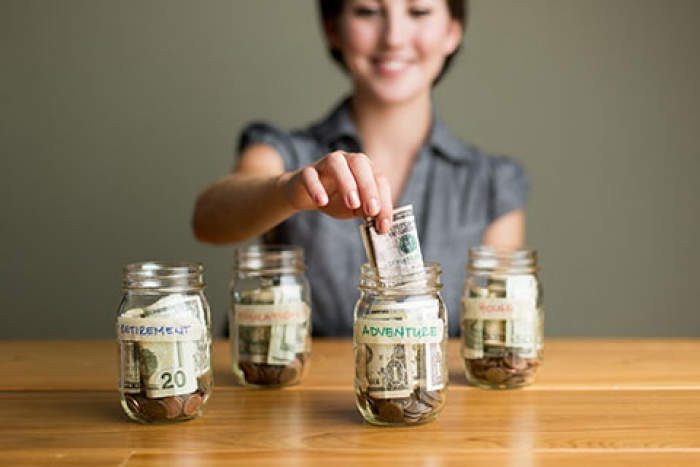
[{"x": 396, "y": 29}]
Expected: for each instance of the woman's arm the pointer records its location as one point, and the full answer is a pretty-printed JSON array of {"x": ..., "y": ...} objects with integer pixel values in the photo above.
[
  {"x": 507, "y": 230},
  {"x": 245, "y": 203},
  {"x": 258, "y": 195}
]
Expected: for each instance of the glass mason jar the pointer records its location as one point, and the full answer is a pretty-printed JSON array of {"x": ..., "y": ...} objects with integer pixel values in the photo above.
[
  {"x": 164, "y": 339},
  {"x": 270, "y": 316},
  {"x": 502, "y": 319},
  {"x": 400, "y": 345}
]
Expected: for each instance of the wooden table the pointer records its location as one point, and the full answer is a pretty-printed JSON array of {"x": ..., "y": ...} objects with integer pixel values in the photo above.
[{"x": 596, "y": 403}]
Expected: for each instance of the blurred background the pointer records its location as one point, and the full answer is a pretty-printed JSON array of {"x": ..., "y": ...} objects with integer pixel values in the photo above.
[{"x": 115, "y": 115}]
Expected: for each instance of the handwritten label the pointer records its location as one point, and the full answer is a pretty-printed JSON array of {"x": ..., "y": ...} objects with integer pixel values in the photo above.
[
  {"x": 267, "y": 315},
  {"x": 159, "y": 330},
  {"x": 372, "y": 331},
  {"x": 499, "y": 308}
]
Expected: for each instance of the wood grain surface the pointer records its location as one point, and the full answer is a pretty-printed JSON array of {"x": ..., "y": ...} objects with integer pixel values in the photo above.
[{"x": 596, "y": 402}]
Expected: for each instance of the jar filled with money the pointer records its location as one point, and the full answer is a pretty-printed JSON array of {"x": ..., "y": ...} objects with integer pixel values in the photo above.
[
  {"x": 270, "y": 317},
  {"x": 400, "y": 345},
  {"x": 502, "y": 318},
  {"x": 164, "y": 339}
]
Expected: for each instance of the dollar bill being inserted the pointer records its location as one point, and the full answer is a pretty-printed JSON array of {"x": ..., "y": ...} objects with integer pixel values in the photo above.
[{"x": 398, "y": 252}]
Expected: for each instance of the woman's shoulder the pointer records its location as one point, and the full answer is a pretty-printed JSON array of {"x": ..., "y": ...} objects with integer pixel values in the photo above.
[
  {"x": 267, "y": 132},
  {"x": 297, "y": 147},
  {"x": 462, "y": 152},
  {"x": 301, "y": 146}
]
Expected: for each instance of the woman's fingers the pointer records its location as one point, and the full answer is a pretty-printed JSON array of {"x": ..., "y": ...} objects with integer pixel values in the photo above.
[
  {"x": 335, "y": 172},
  {"x": 385, "y": 214},
  {"x": 364, "y": 175},
  {"x": 349, "y": 185},
  {"x": 315, "y": 189}
]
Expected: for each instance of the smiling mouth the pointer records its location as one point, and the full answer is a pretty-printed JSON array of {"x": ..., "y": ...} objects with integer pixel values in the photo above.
[{"x": 391, "y": 66}]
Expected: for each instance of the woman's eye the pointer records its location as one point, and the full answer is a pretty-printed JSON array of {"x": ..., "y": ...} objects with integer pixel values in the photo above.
[
  {"x": 418, "y": 12},
  {"x": 366, "y": 11}
]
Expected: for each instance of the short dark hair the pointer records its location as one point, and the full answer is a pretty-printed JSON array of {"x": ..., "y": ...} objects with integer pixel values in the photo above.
[{"x": 459, "y": 10}]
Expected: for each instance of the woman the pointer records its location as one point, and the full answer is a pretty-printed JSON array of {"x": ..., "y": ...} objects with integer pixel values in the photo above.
[{"x": 383, "y": 146}]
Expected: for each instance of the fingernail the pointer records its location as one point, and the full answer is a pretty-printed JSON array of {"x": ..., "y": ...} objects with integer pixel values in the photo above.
[
  {"x": 384, "y": 225},
  {"x": 372, "y": 207},
  {"x": 353, "y": 200},
  {"x": 321, "y": 200}
]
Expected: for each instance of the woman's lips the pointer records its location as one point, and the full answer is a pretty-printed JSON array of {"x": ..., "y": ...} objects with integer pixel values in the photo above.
[{"x": 391, "y": 67}]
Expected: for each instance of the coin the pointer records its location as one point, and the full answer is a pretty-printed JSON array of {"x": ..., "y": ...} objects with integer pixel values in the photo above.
[
  {"x": 172, "y": 406},
  {"x": 192, "y": 404},
  {"x": 496, "y": 375},
  {"x": 390, "y": 412},
  {"x": 507, "y": 370},
  {"x": 153, "y": 409},
  {"x": 261, "y": 374},
  {"x": 413, "y": 412},
  {"x": 290, "y": 373},
  {"x": 250, "y": 372},
  {"x": 434, "y": 399},
  {"x": 513, "y": 361},
  {"x": 132, "y": 403}
]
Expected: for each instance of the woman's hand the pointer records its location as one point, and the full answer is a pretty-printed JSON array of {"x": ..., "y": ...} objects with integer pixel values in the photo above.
[{"x": 342, "y": 185}]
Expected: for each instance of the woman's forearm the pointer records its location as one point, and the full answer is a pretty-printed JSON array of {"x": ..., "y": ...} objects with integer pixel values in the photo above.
[{"x": 239, "y": 207}]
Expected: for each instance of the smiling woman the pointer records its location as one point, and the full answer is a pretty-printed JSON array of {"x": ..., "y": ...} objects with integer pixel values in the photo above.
[
  {"x": 382, "y": 146},
  {"x": 330, "y": 9}
]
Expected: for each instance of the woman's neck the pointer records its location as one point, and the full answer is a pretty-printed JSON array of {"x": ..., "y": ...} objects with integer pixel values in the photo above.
[
  {"x": 392, "y": 136},
  {"x": 388, "y": 130}
]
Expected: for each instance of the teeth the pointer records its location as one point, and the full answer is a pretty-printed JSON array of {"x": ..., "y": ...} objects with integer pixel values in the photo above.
[{"x": 392, "y": 65}]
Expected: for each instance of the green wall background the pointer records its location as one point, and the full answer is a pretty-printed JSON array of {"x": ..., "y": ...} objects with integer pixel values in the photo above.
[{"x": 114, "y": 115}]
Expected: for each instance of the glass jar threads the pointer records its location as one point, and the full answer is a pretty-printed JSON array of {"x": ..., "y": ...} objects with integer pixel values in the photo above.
[
  {"x": 400, "y": 345},
  {"x": 164, "y": 338},
  {"x": 502, "y": 318},
  {"x": 270, "y": 317}
]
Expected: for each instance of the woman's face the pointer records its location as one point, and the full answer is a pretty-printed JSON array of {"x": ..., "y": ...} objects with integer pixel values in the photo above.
[{"x": 394, "y": 49}]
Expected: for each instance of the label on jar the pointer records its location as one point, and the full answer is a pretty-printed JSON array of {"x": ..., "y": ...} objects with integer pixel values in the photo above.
[
  {"x": 159, "y": 329},
  {"x": 499, "y": 308},
  {"x": 266, "y": 314},
  {"x": 372, "y": 331}
]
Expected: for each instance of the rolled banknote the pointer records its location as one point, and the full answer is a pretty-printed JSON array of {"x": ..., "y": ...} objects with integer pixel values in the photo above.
[{"x": 398, "y": 252}]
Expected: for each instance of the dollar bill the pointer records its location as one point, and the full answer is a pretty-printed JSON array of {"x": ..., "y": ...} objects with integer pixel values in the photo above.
[
  {"x": 168, "y": 368},
  {"x": 433, "y": 373},
  {"x": 176, "y": 307},
  {"x": 130, "y": 376},
  {"x": 396, "y": 369},
  {"x": 398, "y": 252},
  {"x": 283, "y": 344},
  {"x": 390, "y": 371}
]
